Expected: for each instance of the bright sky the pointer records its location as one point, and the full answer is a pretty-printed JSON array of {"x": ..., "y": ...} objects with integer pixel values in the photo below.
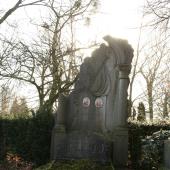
[{"x": 119, "y": 18}]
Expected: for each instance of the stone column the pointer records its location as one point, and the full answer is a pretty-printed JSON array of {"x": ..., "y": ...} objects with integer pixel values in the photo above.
[
  {"x": 120, "y": 142},
  {"x": 122, "y": 114}
]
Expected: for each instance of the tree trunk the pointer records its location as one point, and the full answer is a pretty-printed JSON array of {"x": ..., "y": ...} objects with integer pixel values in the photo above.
[
  {"x": 165, "y": 106},
  {"x": 150, "y": 99}
]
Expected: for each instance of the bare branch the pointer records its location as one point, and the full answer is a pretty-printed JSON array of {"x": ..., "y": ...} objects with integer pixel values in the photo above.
[{"x": 19, "y": 4}]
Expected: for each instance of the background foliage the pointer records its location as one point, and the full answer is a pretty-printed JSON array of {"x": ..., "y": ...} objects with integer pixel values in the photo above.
[{"x": 146, "y": 143}]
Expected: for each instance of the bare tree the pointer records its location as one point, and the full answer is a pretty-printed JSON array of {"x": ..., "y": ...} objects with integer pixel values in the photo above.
[
  {"x": 152, "y": 70},
  {"x": 159, "y": 12},
  {"x": 19, "y": 107},
  {"x": 50, "y": 63},
  {"x": 135, "y": 70},
  {"x": 165, "y": 105},
  {"x": 162, "y": 91}
]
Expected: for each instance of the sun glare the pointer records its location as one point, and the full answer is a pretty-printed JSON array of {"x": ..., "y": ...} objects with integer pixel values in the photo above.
[{"x": 116, "y": 18}]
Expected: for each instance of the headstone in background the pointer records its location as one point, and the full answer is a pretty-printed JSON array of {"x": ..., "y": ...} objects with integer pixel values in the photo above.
[{"x": 167, "y": 154}]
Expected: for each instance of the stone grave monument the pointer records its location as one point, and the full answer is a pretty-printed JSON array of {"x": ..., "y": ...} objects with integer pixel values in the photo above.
[
  {"x": 91, "y": 121},
  {"x": 167, "y": 153}
]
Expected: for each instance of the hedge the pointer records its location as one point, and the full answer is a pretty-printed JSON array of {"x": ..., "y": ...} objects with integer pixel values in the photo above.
[
  {"x": 30, "y": 138},
  {"x": 27, "y": 137}
]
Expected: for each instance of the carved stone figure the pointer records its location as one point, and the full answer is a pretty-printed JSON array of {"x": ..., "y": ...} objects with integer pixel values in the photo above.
[{"x": 99, "y": 74}]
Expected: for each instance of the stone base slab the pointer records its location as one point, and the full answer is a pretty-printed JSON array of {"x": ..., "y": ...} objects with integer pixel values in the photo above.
[{"x": 77, "y": 145}]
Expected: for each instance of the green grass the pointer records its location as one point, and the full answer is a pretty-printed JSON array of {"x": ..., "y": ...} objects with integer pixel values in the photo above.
[{"x": 75, "y": 165}]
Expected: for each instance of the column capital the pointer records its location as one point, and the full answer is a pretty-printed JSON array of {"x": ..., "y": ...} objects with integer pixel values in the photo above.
[{"x": 124, "y": 71}]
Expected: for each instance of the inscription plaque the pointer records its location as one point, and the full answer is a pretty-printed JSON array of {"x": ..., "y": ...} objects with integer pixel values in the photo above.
[{"x": 78, "y": 146}]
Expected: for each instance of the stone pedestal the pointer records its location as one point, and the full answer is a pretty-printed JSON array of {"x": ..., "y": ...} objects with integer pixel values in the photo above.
[
  {"x": 120, "y": 147},
  {"x": 167, "y": 154},
  {"x": 59, "y": 130},
  {"x": 78, "y": 145}
]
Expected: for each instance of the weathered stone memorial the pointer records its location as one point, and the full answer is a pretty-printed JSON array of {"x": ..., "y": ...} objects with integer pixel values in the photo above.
[
  {"x": 91, "y": 121},
  {"x": 167, "y": 154}
]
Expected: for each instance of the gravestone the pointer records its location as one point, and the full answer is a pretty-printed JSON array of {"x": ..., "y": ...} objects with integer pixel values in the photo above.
[
  {"x": 91, "y": 121},
  {"x": 167, "y": 153}
]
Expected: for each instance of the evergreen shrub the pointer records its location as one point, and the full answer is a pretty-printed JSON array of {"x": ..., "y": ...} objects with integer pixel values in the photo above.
[
  {"x": 30, "y": 138},
  {"x": 146, "y": 144}
]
